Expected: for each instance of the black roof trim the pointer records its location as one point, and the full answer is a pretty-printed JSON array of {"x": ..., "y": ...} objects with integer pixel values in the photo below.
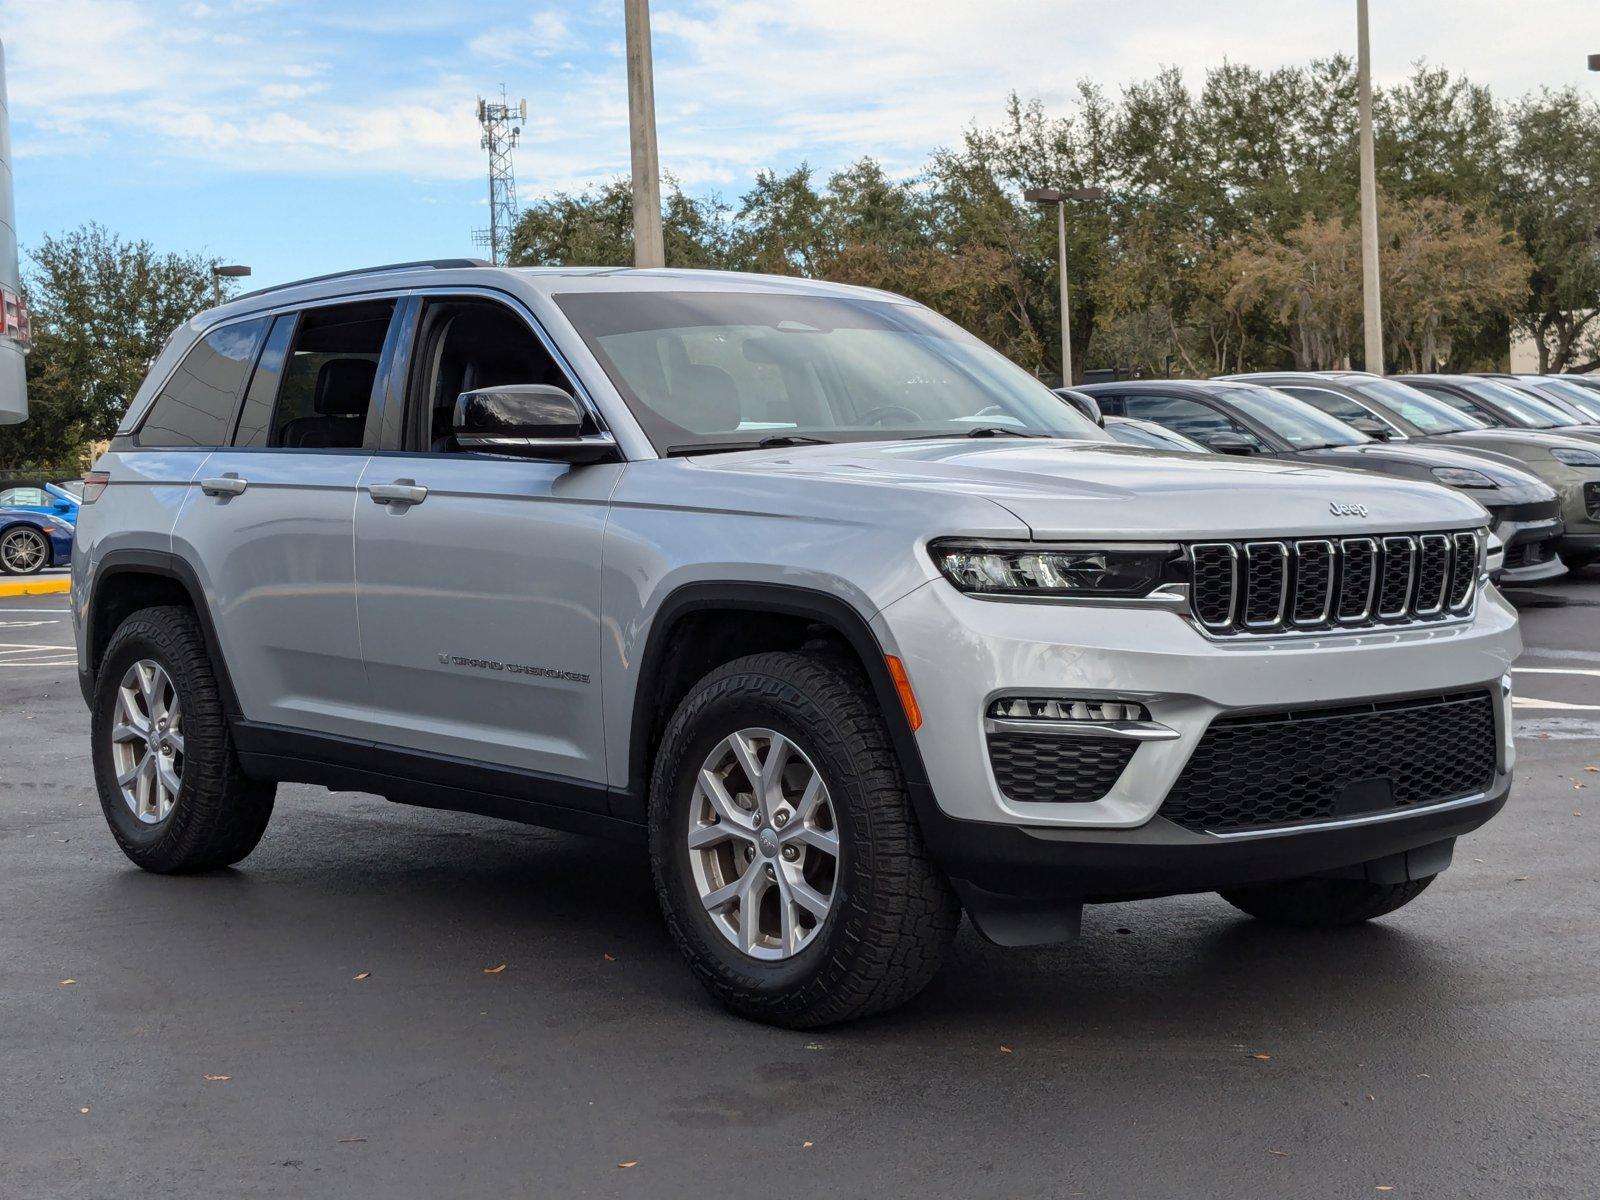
[{"x": 436, "y": 264}]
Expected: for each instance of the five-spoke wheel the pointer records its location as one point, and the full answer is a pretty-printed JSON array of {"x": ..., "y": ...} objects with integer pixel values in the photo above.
[{"x": 147, "y": 741}]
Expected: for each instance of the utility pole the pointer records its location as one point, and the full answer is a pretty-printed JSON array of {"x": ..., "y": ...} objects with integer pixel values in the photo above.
[
  {"x": 502, "y": 130},
  {"x": 648, "y": 247},
  {"x": 1371, "y": 299},
  {"x": 1044, "y": 197}
]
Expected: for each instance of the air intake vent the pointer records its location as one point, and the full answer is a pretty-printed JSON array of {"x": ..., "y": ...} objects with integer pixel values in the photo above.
[{"x": 1271, "y": 587}]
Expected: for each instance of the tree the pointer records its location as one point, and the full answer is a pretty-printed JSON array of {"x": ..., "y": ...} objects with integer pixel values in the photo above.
[
  {"x": 594, "y": 228},
  {"x": 101, "y": 308}
]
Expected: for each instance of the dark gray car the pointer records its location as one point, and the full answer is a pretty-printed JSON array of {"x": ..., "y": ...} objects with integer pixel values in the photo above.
[{"x": 1401, "y": 413}]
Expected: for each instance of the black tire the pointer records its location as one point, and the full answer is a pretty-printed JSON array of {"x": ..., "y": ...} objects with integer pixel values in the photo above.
[
  {"x": 41, "y": 543},
  {"x": 220, "y": 813},
  {"x": 893, "y": 912},
  {"x": 1324, "y": 903}
]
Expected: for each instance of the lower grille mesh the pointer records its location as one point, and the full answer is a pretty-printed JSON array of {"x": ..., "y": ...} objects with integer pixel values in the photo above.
[
  {"x": 1285, "y": 768},
  {"x": 1042, "y": 769}
]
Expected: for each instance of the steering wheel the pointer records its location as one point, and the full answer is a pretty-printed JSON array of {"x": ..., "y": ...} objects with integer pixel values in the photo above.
[{"x": 875, "y": 416}]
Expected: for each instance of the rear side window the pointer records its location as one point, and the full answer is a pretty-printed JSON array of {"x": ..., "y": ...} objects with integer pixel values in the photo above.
[
  {"x": 327, "y": 377},
  {"x": 196, "y": 406},
  {"x": 255, "y": 417}
]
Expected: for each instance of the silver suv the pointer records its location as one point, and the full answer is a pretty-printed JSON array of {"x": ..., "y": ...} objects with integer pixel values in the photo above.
[{"x": 850, "y": 619}]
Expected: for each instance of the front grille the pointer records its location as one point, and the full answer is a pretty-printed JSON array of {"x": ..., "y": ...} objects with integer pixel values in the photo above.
[
  {"x": 1285, "y": 768},
  {"x": 1530, "y": 554},
  {"x": 1041, "y": 769},
  {"x": 1591, "y": 500},
  {"x": 1332, "y": 583}
]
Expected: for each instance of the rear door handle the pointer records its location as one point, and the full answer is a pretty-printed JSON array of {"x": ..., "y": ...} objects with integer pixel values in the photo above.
[
  {"x": 401, "y": 493},
  {"x": 226, "y": 485}
]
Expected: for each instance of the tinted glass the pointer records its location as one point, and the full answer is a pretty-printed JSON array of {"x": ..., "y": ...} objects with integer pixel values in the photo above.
[
  {"x": 1337, "y": 405},
  {"x": 1423, "y": 411},
  {"x": 727, "y": 369},
  {"x": 1585, "y": 400},
  {"x": 327, "y": 377},
  {"x": 1296, "y": 422},
  {"x": 1152, "y": 437},
  {"x": 1514, "y": 407},
  {"x": 29, "y": 496},
  {"x": 195, "y": 408},
  {"x": 1188, "y": 417},
  {"x": 255, "y": 417}
]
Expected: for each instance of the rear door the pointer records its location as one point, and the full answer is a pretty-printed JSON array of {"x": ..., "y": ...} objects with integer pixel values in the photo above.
[
  {"x": 479, "y": 594},
  {"x": 268, "y": 523}
]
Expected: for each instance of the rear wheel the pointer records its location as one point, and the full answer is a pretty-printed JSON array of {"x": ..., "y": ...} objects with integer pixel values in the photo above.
[
  {"x": 1313, "y": 903},
  {"x": 23, "y": 551},
  {"x": 170, "y": 784},
  {"x": 788, "y": 863}
]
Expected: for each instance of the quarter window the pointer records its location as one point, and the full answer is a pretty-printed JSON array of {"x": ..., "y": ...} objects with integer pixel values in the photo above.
[
  {"x": 196, "y": 406},
  {"x": 323, "y": 378}
]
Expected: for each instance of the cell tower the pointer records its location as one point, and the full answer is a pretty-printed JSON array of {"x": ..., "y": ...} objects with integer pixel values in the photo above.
[{"x": 502, "y": 129}]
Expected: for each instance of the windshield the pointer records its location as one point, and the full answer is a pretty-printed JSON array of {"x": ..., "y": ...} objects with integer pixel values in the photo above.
[
  {"x": 1426, "y": 414},
  {"x": 1579, "y": 397},
  {"x": 1516, "y": 407},
  {"x": 1153, "y": 437},
  {"x": 733, "y": 370},
  {"x": 1295, "y": 421}
]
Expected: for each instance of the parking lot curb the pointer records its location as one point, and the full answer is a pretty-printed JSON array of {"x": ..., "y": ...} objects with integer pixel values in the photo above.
[{"x": 33, "y": 587}]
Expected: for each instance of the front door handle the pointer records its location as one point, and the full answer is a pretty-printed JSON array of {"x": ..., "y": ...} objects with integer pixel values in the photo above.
[
  {"x": 402, "y": 493},
  {"x": 226, "y": 485}
]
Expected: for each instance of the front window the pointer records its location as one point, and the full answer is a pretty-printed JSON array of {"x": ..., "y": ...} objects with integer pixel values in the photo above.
[
  {"x": 735, "y": 370},
  {"x": 1417, "y": 409},
  {"x": 1295, "y": 421}
]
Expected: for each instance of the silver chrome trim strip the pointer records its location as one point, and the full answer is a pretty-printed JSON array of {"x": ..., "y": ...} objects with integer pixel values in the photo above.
[
  {"x": 1392, "y": 814},
  {"x": 1233, "y": 580},
  {"x": 1283, "y": 585},
  {"x": 1131, "y": 731},
  {"x": 1449, "y": 562},
  {"x": 1333, "y": 575},
  {"x": 1410, "y": 545},
  {"x": 1372, "y": 579}
]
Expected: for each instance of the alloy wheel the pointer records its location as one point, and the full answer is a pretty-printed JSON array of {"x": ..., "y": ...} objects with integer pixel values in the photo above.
[
  {"x": 23, "y": 551},
  {"x": 763, "y": 844},
  {"x": 147, "y": 741}
]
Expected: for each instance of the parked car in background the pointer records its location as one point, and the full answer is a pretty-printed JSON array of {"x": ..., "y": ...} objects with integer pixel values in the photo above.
[
  {"x": 1501, "y": 403},
  {"x": 1577, "y": 401},
  {"x": 31, "y": 541},
  {"x": 1132, "y": 432},
  {"x": 1083, "y": 402},
  {"x": 1401, "y": 413},
  {"x": 1247, "y": 419},
  {"x": 40, "y": 496}
]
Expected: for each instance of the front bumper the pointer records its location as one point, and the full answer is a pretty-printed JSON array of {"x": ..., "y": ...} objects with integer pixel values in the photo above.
[{"x": 1531, "y": 545}]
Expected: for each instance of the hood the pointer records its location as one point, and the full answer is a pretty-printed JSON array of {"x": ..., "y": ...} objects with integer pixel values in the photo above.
[
  {"x": 1514, "y": 485},
  {"x": 1526, "y": 445},
  {"x": 1067, "y": 489}
]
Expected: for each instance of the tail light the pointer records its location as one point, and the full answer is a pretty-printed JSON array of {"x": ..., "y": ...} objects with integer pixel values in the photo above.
[{"x": 93, "y": 484}]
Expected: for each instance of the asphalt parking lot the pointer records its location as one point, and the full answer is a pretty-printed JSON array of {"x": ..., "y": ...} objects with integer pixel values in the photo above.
[{"x": 323, "y": 1020}]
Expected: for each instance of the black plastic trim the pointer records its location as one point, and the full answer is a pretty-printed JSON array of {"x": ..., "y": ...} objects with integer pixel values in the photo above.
[{"x": 428, "y": 780}]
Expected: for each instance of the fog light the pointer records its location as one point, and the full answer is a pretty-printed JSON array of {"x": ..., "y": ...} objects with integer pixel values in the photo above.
[{"x": 1038, "y": 708}]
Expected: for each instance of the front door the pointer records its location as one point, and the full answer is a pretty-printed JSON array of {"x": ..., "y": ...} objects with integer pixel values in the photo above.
[{"x": 478, "y": 576}]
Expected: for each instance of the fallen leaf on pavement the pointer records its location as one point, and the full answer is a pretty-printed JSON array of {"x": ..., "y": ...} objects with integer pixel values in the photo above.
[
  {"x": 1382, "y": 1187},
  {"x": 805, "y": 1145},
  {"x": 1593, "y": 770},
  {"x": 1006, "y": 1050},
  {"x": 84, "y": 1111},
  {"x": 1262, "y": 1057},
  {"x": 363, "y": 975},
  {"x": 1370, "y": 1096},
  {"x": 608, "y": 958},
  {"x": 1279, "y": 1153},
  {"x": 350, "y": 1141},
  {"x": 494, "y": 970},
  {"x": 626, "y": 1165},
  {"x": 68, "y": 982},
  {"x": 218, "y": 1078}
]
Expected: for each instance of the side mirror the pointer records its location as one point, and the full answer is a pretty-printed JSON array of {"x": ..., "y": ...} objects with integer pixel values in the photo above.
[
  {"x": 1084, "y": 403},
  {"x": 1372, "y": 427},
  {"x": 529, "y": 420},
  {"x": 61, "y": 506},
  {"x": 1227, "y": 441}
]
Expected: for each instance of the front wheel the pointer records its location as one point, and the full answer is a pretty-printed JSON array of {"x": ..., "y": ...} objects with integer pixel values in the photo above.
[
  {"x": 23, "y": 551},
  {"x": 1323, "y": 903},
  {"x": 787, "y": 860}
]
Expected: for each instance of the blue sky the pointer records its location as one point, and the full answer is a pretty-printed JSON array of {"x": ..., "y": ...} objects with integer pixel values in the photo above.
[{"x": 303, "y": 137}]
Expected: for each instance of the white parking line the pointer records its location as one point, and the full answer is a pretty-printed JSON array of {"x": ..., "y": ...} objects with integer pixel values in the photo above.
[
  {"x": 1530, "y": 702},
  {"x": 1554, "y": 671}
]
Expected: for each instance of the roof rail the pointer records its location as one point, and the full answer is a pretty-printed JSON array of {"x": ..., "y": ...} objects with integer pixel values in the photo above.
[{"x": 437, "y": 264}]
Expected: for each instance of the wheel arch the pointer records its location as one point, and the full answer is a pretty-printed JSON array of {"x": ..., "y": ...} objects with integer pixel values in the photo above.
[
  {"x": 751, "y": 617},
  {"x": 125, "y": 581}
]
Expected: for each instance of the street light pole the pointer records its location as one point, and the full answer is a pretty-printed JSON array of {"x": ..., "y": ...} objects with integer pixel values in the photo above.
[
  {"x": 1048, "y": 196},
  {"x": 1371, "y": 299},
  {"x": 648, "y": 247},
  {"x": 219, "y": 273}
]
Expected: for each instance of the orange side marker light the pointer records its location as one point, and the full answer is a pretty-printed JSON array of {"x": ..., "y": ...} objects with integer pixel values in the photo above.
[{"x": 908, "y": 698}]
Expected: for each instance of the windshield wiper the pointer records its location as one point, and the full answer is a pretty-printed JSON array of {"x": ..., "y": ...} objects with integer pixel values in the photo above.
[
  {"x": 766, "y": 443},
  {"x": 981, "y": 431},
  {"x": 791, "y": 439}
]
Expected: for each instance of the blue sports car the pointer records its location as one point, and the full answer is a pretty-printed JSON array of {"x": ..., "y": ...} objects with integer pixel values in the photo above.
[
  {"x": 31, "y": 541},
  {"x": 42, "y": 496}
]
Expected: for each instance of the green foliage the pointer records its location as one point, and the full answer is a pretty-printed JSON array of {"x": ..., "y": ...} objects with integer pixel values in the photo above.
[{"x": 101, "y": 310}]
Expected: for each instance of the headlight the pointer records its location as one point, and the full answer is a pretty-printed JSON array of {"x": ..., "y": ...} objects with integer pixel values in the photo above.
[
  {"x": 1031, "y": 569},
  {"x": 1463, "y": 477},
  {"x": 1577, "y": 458}
]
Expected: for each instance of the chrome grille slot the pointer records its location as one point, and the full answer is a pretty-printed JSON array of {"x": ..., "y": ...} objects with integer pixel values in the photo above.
[
  {"x": 1463, "y": 571},
  {"x": 1433, "y": 573},
  {"x": 1263, "y": 588},
  {"x": 1358, "y": 578},
  {"x": 1313, "y": 582},
  {"x": 1399, "y": 573},
  {"x": 1266, "y": 588}
]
